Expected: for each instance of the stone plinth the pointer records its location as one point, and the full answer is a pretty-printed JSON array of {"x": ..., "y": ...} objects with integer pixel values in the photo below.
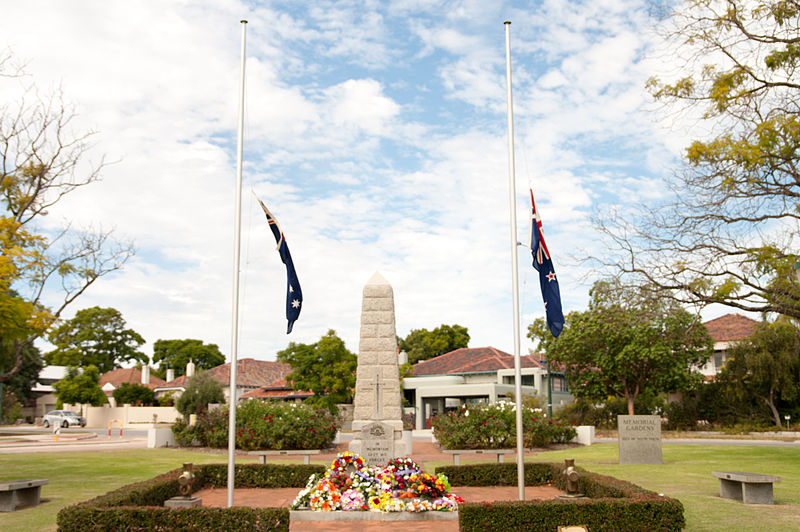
[{"x": 183, "y": 502}]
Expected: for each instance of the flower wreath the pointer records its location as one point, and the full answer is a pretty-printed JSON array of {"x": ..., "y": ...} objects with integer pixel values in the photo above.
[
  {"x": 345, "y": 459},
  {"x": 402, "y": 469}
]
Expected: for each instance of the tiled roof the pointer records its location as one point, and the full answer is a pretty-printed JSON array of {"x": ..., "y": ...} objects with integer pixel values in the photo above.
[
  {"x": 730, "y": 327},
  {"x": 249, "y": 373},
  {"x": 471, "y": 360},
  {"x": 279, "y": 389},
  {"x": 132, "y": 375}
]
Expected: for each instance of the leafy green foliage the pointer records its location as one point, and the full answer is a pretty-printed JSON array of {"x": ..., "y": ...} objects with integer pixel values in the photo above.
[
  {"x": 422, "y": 344},
  {"x": 326, "y": 368},
  {"x": 201, "y": 389},
  {"x": 11, "y": 407},
  {"x": 176, "y": 354},
  {"x": 80, "y": 387},
  {"x": 494, "y": 426},
  {"x": 767, "y": 364},
  {"x": 25, "y": 379},
  {"x": 95, "y": 336},
  {"x": 263, "y": 425},
  {"x": 628, "y": 342},
  {"x": 134, "y": 394}
]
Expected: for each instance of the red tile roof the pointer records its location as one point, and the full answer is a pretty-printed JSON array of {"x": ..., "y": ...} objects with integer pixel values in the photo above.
[
  {"x": 471, "y": 360},
  {"x": 249, "y": 373},
  {"x": 132, "y": 375},
  {"x": 279, "y": 389},
  {"x": 730, "y": 327}
]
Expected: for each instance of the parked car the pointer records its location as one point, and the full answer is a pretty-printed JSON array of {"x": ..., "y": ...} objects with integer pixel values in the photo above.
[{"x": 62, "y": 418}]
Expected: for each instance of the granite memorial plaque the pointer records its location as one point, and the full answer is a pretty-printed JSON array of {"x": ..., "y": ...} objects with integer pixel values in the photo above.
[
  {"x": 377, "y": 443},
  {"x": 639, "y": 439}
]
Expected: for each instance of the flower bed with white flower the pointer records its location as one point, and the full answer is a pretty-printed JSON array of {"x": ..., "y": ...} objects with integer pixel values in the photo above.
[{"x": 350, "y": 485}]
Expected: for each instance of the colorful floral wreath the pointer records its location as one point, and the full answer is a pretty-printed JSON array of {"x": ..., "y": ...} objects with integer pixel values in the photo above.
[
  {"x": 402, "y": 468},
  {"x": 428, "y": 485},
  {"x": 345, "y": 459}
]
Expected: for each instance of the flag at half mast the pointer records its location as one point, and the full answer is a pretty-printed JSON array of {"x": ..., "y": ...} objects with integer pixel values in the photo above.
[
  {"x": 547, "y": 274},
  {"x": 294, "y": 296}
]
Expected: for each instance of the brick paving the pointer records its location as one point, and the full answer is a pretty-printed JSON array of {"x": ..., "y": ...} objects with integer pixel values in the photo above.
[{"x": 424, "y": 452}]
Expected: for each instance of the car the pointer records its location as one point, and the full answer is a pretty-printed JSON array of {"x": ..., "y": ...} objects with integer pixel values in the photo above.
[{"x": 62, "y": 418}]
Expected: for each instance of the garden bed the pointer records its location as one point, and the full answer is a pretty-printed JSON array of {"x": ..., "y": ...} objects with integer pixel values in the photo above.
[{"x": 611, "y": 504}]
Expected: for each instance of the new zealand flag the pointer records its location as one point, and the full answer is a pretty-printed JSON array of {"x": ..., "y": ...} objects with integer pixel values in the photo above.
[
  {"x": 294, "y": 296},
  {"x": 547, "y": 274}
]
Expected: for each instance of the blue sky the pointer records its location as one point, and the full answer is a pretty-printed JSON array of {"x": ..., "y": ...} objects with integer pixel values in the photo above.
[{"x": 374, "y": 131}]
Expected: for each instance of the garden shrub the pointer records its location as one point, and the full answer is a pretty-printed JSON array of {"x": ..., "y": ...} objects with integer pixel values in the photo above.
[
  {"x": 262, "y": 425},
  {"x": 494, "y": 426}
]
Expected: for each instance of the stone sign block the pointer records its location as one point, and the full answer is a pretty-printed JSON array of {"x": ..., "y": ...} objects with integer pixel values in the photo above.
[
  {"x": 639, "y": 439},
  {"x": 377, "y": 443}
]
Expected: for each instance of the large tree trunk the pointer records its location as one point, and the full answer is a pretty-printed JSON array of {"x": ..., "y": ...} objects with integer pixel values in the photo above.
[
  {"x": 771, "y": 404},
  {"x": 631, "y": 398}
]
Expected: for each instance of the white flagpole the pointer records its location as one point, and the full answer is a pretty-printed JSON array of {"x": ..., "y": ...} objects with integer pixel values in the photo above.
[
  {"x": 236, "y": 252},
  {"x": 512, "y": 200}
]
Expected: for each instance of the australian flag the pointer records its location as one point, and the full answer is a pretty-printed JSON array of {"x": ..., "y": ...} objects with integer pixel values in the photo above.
[
  {"x": 294, "y": 296},
  {"x": 547, "y": 274}
]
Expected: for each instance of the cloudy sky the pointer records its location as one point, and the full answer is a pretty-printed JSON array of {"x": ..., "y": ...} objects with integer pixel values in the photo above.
[{"x": 376, "y": 133}]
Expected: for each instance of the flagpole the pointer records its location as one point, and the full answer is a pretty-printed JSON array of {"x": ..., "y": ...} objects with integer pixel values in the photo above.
[
  {"x": 512, "y": 200},
  {"x": 236, "y": 252}
]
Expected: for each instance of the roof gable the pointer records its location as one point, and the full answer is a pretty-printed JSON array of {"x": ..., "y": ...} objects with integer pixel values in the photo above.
[
  {"x": 249, "y": 372},
  {"x": 119, "y": 376},
  {"x": 471, "y": 360},
  {"x": 730, "y": 327}
]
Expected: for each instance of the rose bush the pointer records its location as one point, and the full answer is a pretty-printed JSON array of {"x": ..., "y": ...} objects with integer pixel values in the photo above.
[
  {"x": 262, "y": 425},
  {"x": 493, "y": 426}
]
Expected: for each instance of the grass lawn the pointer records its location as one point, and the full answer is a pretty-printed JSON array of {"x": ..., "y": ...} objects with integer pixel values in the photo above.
[
  {"x": 78, "y": 476},
  {"x": 686, "y": 475}
]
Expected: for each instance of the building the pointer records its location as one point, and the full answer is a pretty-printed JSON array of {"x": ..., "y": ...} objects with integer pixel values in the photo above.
[
  {"x": 251, "y": 375},
  {"x": 111, "y": 380},
  {"x": 278, "y": 390},
  {"x": 474, "y": 376},
  {"x": 725, "y": 331}
]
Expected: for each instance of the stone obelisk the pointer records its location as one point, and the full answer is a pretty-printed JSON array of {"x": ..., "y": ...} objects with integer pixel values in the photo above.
[{"x": 377, "y": 405}]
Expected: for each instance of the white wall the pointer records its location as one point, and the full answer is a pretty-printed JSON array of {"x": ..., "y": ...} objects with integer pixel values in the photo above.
[{"x": 99, "y": 417}]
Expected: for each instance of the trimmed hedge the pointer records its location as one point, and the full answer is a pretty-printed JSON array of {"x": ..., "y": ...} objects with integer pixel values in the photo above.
[
  {"x": 612, "y": 505},
  {"x": 139, "y": 506}
]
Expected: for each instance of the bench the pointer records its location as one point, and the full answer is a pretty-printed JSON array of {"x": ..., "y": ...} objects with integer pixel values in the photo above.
[
  {"x": 750, "y": 488},
  {"x": 262, "y": 455},
  {"x": 20, "y": 493},
  {"x": 499, "y": 452}
]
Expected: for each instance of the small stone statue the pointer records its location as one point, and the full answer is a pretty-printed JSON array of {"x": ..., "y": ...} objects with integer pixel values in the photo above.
[
  {"x": 186, "y": 479},
  {"x": 572, "y": 479}
]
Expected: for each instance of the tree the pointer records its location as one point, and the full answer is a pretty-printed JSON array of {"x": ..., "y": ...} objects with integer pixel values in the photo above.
[
  {"x": 326, "y": 368},
  {"x": 176, "y": 354},
  {"x": 80, "y": 386},
  {"x": 25, "y": 379},
  {"x": 201, "y": 389},
  {"x": 767, "y": 364},
  {"x": 95, "y": 336},
  {"x": 627, "y": 343},
  {"x": 728, "y": 237},
  {"x": 134, "y": 394},
  {"x": 41, "y": 161},
  {"x": 422, "y": 344}
]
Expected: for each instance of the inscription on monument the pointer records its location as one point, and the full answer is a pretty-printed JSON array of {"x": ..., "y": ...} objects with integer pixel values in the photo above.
[
  {"x": 377, "y": 443},
  {"x": 639, "y": 439}
]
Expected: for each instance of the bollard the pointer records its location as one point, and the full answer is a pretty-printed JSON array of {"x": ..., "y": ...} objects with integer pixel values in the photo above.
[{"x": 111, "y": 423}]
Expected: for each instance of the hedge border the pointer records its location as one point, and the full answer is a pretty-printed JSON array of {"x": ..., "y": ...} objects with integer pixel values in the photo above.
[
  {"x": 612, "y": 505},
  {"x": 139, "y": 506}
]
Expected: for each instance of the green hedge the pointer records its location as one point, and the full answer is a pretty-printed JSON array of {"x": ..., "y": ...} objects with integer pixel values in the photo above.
[
  {"x": 139, "y": 506},
  {"x": 612, "y": 504}
]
